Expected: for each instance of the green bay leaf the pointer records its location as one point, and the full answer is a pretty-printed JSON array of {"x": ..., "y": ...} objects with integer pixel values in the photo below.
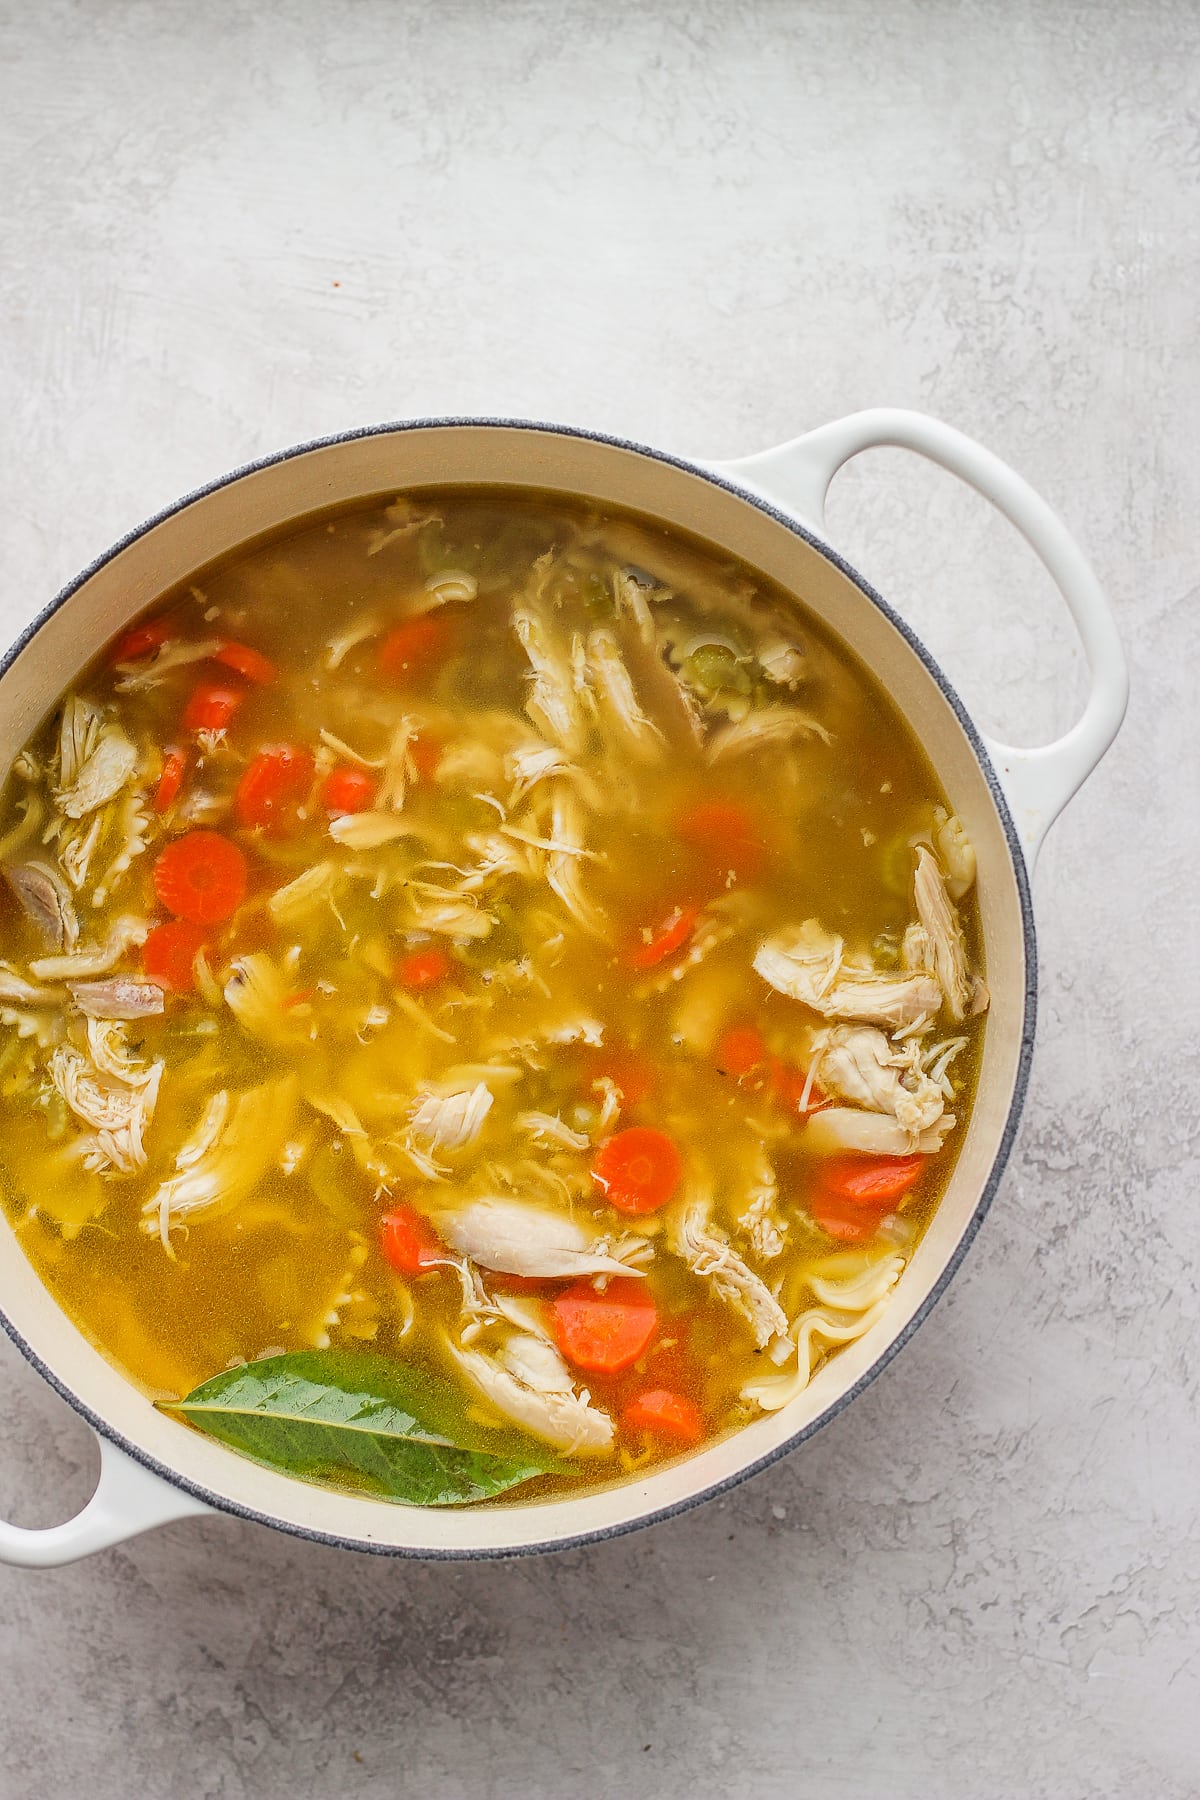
[{"x": 350, "y": 1419}]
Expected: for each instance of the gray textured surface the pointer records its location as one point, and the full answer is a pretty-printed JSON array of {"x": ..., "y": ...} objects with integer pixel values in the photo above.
[{"x": 226, "y": 228}]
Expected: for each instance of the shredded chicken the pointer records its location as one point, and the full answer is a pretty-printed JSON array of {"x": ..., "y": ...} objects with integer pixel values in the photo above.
[
  {"x": 368, "y": 830},
  {"x": 838, "y": 1128},
  {"x": 530, "y": 763},
  {"x": 259, "y": 998},
  {"x": 857, "y": 1063},
  {"x": 808, "y": 963},
  {"x": 513, "y": 1237},
  {"x": 532, "y": 1386},
  {"x": 761, "y": 1220},
  {"x": 450, "y": 1121},
  {"x": 45, "y": 899},
  {"x": 96, "y": 760},
  {"x": 618, "y": 704},
  {"x": 781, "y": 662},
  {"x": 555, "y": 703},
  {"x": 633, "y": 602},
  {"x": 550, "y": 1130},
  {"x": 955, "y": 851},
  {"x": 563, "y": 870},
  {"x": 765, "y": 726},
  {"x": 176, "y": 653},
  {"x": 116, "y": 1107},
  {"x": 314, "y": 887},
  {"x": 940, "y": 922},
  {"x": 237, "y": 1140},
  {"x": 706, "y": 1250}
]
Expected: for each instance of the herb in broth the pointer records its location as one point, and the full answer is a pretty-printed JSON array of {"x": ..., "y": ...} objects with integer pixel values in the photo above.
[{"x": 474, "y": 958}]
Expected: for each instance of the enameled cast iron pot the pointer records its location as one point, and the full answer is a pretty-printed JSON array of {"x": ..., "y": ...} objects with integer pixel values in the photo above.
[{"x": 768, "y": 510}]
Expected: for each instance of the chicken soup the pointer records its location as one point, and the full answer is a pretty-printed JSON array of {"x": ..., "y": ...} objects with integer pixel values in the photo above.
[{"x": 490, "y": 993}]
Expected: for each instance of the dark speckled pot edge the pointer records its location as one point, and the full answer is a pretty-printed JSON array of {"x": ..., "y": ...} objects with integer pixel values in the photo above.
[{"x": 1020, "y": 1086}]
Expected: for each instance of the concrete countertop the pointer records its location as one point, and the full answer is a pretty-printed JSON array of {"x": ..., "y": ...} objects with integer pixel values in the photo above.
[{"x": 228, "y": 228}]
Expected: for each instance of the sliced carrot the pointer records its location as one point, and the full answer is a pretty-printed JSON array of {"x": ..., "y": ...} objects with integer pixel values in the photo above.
[
  {"x": 201, "y": 877},
  {"x": 665, "y": 1414},
  {"x": 606, "y": 1332},
  {"x": 169, "y": 953},
  {"x": 670, "y": 936},
  {"x": 171, "y": 780},
  {"x": 725, "y": 838},
  {"x": 869, "y": 1180},
  {"x": 415, "y": 645},
  {"x": 272, "y": 786},
  {"x": 347, "y": 790},
  {"x": 426, "y": 754},
  {"x": 141, "y": 639},
  {"x": 741, "y": 1051},
  {"x": 244, "y": 660},
  {"x": 638, "y": 1169},
  {"x": 409, "y": 1241},
  {"x": 212, "y": 706},
  {"x": 423, "y": 969},
  {"x": 849, "y": 1221}
]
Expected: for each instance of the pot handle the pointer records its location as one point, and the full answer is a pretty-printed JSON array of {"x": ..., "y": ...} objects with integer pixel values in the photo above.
[
  {"x": 128, "y": 1499},
  {"x": 1037, "y": 782}
]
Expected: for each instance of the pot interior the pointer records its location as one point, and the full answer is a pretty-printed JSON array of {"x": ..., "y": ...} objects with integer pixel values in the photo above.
[{"x": 270, "y": 497}]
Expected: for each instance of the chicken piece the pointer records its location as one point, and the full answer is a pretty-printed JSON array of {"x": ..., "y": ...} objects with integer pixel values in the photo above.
[
  {"x": 706, "y": 1250},
  {"x": 618, "y": 704},
  {"x": 780, "y": 661},
  {"x": 555, "y": 703},
  {"x": 78, "y": 735},
  {"x": 260, "y": 1000},
  {"x": 96, "y": 760},
  {"x": 532, "y": 1386},
  {"x": 96, "y": 959},
  {"x": 450, "y": 1121},
  {"x": 116, "y": 1108},
  {"x": 765, "y": 726},
  {"x": 512, "y": 1237},
  {"x": 314, "y": 887},
  {"x": 955, "y": 852},
  {"x": 939, "y": 919},
  {"x": 530, "y": 763},
  {"x": 807, "y": 963},
  {"x": 838, "y": 1128},
  {"x": 633, "y": 602},
  {"x": 550, "y": 1130},
  {"x": 120, "y": 997},
  {"x": 176, "y": 653},
  {"x": 761, "y": 1220},
  {"x": 566, "y": 851},
  {"x": 368, "y": 830},
  {"x": 45, "y": 899},
  {"x": 239, "y": 1138},
  {"x": 445, "y": 912},
  {"x": 857, "y": 1063}
]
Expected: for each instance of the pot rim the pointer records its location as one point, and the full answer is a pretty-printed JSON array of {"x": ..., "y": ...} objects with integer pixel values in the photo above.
[{"x": 711, "y": 1490}]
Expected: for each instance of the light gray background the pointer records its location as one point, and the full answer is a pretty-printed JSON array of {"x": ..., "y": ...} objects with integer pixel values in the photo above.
[{"x": 227, "y": 227}]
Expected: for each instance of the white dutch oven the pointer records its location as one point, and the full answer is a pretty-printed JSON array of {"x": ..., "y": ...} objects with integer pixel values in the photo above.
[{"x": 768, "y": 510}]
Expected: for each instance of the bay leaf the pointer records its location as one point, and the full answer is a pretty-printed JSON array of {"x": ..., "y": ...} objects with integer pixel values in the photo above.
[{"x": 348, "y": 1419}]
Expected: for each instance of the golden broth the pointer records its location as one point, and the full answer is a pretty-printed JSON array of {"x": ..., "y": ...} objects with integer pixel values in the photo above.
[{"x": 594, "y": 853}]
